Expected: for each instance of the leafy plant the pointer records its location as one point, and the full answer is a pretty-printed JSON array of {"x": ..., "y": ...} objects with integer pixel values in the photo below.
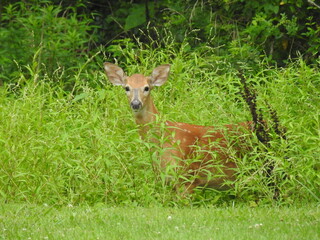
[{"x": 52, "y": 38}]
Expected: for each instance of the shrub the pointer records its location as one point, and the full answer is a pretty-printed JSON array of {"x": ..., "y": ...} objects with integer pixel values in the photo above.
[{"x": 51, "y": 39}]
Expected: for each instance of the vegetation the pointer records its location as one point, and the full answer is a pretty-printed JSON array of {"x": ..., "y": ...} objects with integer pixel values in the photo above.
[
  {"x": 70, "y": 153},
  {"x": 64, "y": 147},
  {"x": 99, "y": 222},
  {"x": 61, "y": 35},
  {"x": 67, "y": 137}
]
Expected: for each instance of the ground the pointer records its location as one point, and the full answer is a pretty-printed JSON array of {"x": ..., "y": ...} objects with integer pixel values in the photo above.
[{"x": 102, "y": 222}]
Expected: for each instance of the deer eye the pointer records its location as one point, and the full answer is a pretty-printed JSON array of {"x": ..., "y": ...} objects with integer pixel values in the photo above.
[
  {"x": 146, "y": 89},
  {"x": 127, "y": 89}
]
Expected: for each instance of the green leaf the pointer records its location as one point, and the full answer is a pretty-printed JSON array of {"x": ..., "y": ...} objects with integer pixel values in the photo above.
[
  {"x": 137, "y": 16},
  {"x": 80, "y": 96}
]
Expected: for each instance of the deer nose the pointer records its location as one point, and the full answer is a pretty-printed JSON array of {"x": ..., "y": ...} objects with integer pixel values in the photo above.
[{"x": 136, "y": 104}]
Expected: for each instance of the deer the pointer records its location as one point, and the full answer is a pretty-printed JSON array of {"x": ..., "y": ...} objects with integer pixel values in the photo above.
[{"x": 201, "y": 154}]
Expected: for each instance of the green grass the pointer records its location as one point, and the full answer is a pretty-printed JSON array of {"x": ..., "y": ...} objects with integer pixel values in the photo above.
[{"x": 101, "y": 222}]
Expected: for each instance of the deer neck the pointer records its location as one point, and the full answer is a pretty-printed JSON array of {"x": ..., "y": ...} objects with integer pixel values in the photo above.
[{"x": 147, "y": 115}]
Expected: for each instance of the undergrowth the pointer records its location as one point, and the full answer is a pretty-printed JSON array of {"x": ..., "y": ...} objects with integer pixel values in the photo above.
[
  {"x": 68, "y": 137},
  {"x": 82, "y": 146}
]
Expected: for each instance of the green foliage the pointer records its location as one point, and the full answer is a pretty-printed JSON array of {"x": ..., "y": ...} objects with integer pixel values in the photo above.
[
  {"x": 62, "y": 36},
  {"x": 52, "y": 38},
  {"x": 313, "y": 34},
  {"x": 279, "y": 29},
  {"x": 68, "y": 137},
  {"x": 137, "y": 16},
  {"x": 71, "y": 147}
]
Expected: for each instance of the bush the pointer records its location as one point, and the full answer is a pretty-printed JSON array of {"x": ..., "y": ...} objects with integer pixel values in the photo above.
[{"x": 49, "y": 39}]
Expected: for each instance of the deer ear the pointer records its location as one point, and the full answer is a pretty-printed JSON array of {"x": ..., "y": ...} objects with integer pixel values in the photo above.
[
  {"x": 160, "y": 75},
  {"x": 115, "y": 74}
]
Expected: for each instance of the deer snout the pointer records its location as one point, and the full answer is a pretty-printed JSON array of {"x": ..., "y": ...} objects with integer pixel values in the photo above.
[{"x": 136, "y": 105}]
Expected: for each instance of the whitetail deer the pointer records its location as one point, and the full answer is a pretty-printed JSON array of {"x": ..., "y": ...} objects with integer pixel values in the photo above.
[{"x": 203, "y": 153}]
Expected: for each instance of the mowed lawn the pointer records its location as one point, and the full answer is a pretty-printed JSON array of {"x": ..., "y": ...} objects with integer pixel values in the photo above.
[{"x": 102, "y": 222}]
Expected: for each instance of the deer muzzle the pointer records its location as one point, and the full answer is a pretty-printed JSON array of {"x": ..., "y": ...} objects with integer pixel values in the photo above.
[{"x": 136, "y": 105}]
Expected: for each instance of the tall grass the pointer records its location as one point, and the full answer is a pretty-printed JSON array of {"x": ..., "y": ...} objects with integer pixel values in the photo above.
[{"x": 60, "y": 147}]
